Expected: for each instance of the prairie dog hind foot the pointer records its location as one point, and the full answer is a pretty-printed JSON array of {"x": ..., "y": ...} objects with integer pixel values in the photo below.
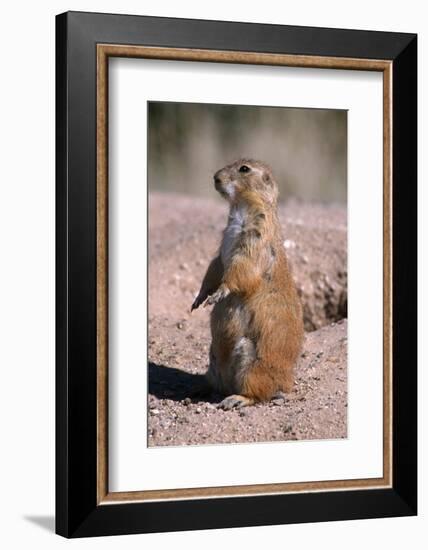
[{"x": 235, "y": 401}]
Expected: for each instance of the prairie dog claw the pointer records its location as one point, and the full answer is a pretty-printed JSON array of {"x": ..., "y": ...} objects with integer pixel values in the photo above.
[{"x": 198, "y": 301}]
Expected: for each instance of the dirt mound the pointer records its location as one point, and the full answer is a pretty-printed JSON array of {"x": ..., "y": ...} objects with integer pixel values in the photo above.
[{"x": 184, "y": 234}]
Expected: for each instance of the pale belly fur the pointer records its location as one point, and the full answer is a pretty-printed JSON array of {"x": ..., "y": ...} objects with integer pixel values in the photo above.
[{"x": 233, "y": 230}]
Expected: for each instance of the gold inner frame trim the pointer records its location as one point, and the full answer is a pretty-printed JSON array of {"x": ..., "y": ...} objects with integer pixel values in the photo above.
[{"x": 104, "y": 51}]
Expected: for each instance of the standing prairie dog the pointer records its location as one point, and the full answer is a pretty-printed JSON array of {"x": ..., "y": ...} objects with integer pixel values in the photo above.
[{"x": 256, "y": 321}]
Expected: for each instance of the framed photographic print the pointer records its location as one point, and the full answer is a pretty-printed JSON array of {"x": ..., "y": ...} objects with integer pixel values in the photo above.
[{"x": 236, "y": 274}]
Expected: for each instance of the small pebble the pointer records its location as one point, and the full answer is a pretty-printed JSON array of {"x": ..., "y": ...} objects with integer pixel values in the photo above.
[
  {"x": 154, "y": 412},
  {"x": 278, "y": 402},
  {"x": 289, "y": 244}
]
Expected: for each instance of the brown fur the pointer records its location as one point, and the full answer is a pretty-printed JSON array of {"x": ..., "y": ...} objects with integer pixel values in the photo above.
[{"x": 256, "y": 322}]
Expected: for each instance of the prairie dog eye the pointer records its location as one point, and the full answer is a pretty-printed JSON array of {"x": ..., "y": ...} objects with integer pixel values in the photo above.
[{"x": 244, "y": 168}]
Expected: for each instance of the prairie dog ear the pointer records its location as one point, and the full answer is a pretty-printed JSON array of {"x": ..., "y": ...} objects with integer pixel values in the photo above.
[
  {"x": 267, "y": 178},
  {"x": 272, "y": 188}
]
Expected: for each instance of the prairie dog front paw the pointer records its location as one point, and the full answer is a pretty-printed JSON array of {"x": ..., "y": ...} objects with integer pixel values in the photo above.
[{"x": 220, "y": 294}]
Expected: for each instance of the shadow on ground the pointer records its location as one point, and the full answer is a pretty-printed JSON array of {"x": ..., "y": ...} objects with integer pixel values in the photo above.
[{"x": 175, "y": 384}]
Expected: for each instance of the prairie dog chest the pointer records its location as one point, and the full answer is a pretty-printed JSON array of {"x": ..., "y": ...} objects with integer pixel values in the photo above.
[{"x": 235, "y": 225}]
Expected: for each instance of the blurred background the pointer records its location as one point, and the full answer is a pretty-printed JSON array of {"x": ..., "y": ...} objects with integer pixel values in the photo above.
[{"x": 306, "y": 148}]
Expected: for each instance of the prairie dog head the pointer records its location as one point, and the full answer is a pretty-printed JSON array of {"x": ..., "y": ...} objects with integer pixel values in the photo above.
[{"x": 245, "y": 178}]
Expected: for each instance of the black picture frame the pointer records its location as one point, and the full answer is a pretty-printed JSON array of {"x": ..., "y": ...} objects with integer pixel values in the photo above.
[{"x": 78, "y": 513}]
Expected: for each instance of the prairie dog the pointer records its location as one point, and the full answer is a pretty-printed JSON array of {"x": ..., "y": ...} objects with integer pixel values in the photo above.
[{"x": 256, "y": 321}]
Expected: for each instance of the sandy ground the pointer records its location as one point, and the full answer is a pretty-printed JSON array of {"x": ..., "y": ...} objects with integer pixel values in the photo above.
[{"x": 184, "y": 234}]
